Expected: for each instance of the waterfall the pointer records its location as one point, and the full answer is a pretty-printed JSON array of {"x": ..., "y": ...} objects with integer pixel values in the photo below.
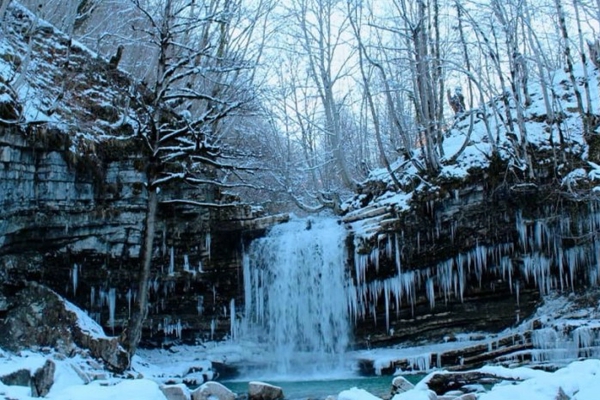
[{"x": 296, "y": 294}]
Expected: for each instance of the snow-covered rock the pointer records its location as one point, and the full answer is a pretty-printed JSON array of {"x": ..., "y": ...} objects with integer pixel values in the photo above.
[
  {"x": 400, "y": 385},
  {"x": 213, "y": 391},
  {"x": 39, "y": 378},
  {"x": 176, "y": 392},
  {"x": 40, "y": 317}
]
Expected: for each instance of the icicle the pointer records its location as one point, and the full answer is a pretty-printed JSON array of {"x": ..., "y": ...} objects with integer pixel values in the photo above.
[
  {"x": 397, "y": 255},
  {"x": 112, "y": 302},
  {"x": 186, "y": 263},
  {"x": 430, "y": 292},
  {"x": 213, "y": 327},
  {"x": 200, "y": 269},
  {"x": 522, "y": 230},
  {"x": 200, "y": 305},
  {"x": 171, "y": 261},
  {"x": 386, "y": 294},
  {"x": 232, "y": 324},
  {"x": 361, "y": 262},
  {"x": 374, "y": 257},
  {"x": 103, "y": 297},
  {"x": 92, "y": 297},
  {"x": 75, "y": 278},
  {"x": 207, "y": 244},
  {"x": 388, "y": 248}
]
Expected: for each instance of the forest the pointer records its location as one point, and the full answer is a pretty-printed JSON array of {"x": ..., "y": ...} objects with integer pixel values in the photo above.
[
  {"x": 297, "y": 101},
  {"x": 443, "y": 156}
]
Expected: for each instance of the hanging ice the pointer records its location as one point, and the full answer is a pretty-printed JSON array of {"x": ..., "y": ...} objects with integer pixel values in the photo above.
[
  {"x": 112, "y": 302},
  {"x": 186, "y": 263},
  {"x": 232, "y": 326},
  {"x": 207, "y": 243},
  {"x": 75, "y": 277},
  {"x": 172, "y": 262},
  {"x": 200, "y": 305},
  {"x": 296, "y": 291}
]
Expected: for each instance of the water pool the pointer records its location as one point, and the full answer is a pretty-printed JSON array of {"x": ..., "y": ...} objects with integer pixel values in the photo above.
[{"x": 380, "y": 386}]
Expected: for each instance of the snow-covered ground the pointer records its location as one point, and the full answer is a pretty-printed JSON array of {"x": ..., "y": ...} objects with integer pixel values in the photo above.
[
  {"x": 578, "y": 380},
  {"x": 80, "y": 377}
]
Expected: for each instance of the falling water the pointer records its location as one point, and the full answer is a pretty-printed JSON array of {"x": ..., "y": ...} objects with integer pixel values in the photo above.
[{"x": 296, "y": 300}]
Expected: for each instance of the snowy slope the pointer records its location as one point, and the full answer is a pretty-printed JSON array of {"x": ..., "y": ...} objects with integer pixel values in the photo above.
[
  {"x": 58, "y": 84},
  {"x": 468, "y": 150}
]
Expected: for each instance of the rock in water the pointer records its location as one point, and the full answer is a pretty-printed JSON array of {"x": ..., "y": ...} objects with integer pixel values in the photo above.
[
  {"x": 264, "y": 391},
  {"x": 213, "y": 391},
  {"x": 400, "y": 385}
]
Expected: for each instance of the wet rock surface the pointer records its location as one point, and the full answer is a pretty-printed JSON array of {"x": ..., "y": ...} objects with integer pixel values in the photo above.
[{"x": 264, "y": 391}]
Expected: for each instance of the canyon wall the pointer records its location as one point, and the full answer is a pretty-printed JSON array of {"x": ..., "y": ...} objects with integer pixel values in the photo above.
[
  {"x": 468, "y": 256},
  {"x": 75, "y": 224}
]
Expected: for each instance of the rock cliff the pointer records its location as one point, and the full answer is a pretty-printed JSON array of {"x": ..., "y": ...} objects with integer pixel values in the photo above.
[{"x": 73, "y": 201}]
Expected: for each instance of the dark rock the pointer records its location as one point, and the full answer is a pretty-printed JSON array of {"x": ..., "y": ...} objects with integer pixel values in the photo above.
[
  {"x": 561, "y": 395},
  {"x": 442, "y": 383},
  {"x": 264, "y": 391},
  {"x": 224, "y": 371},
  {"x": 39, "y": 317},
  {"x": 21, "y": 377},
  {"x": 43, "y": 379}
]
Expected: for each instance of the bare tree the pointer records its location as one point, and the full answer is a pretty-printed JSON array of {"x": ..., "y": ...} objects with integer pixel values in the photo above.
[
  {"x": 321, "y": 39},
  {"x": 200, "y": 81}
]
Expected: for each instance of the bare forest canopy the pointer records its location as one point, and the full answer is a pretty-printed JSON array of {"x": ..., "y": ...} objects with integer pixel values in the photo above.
[{"x": 301, "y": 100}]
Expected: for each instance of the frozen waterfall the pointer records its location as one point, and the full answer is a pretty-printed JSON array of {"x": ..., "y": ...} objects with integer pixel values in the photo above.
[{"x": 296, "y": 294}]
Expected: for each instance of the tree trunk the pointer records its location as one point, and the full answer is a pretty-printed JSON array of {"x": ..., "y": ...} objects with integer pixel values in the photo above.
[
  {"x": 3, "y": 6},
  {"x": 132, "y": 335},
  {"x": 567, "y": 53}
]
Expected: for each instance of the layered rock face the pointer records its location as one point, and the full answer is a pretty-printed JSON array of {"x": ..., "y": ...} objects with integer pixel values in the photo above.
[
  {"x": 469, "y": 257},
  {"x": 76, "y": 226}
]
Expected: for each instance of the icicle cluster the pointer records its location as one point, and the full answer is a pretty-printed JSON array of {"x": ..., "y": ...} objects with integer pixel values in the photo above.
[{"x": 539, "y": 257}]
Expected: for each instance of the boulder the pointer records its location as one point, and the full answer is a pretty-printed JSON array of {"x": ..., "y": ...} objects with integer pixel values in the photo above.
[
  {"x": 400, "y": 385},
  {"x": 21, "y": 377},
  {"x": 213, "y": 391},
  {"x": 176, "y": 392},
  {"x": 39, "y": 317},
  {"x": 43, "y": 379},
  {"x": 561, "y": 395},
  {"x": 264, "y": 391},
  {"x": 468, "y": 396},
  {"x": 40, "y": 381}
]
